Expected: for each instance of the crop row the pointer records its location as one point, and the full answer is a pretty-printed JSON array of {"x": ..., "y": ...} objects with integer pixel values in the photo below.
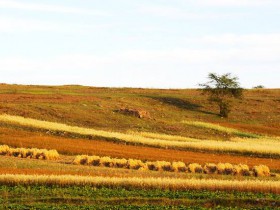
[
  {"x": 143, "y": 183},
  {"x": 208, "y": 168},
  {"x": 29, "y": 153},
  {"x": 271, "y": 149}
]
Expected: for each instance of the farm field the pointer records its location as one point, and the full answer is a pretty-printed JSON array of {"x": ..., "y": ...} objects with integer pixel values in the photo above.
[
  {"x": 45, "y": 197},
  {"x": 182, "y": 126}
]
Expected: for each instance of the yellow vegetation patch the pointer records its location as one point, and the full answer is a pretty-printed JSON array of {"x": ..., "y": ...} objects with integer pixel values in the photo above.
[
  {"x": 144, "y": 183},
  {"x": 243, "y": 147},
  {"x": 220, "y": 128}
]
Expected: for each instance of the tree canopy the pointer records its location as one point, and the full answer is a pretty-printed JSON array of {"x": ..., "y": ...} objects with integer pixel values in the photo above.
[{"x": 221, "y": 89}]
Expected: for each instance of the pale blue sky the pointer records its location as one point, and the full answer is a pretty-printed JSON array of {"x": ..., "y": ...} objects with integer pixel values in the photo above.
[{"x": 139, "y": 43}]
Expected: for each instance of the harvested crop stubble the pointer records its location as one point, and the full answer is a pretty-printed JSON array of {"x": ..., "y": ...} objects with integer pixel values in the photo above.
[
  {"x": 29, "y": 153},
  {"x": 272, "y": 149},
  {"x": 146, "y": 183}
]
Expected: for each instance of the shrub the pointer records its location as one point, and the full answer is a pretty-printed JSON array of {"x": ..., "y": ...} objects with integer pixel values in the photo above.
[
  {"x": 195, "y": 168},
  {"x": 210, "y": 168},
  {"x": 261, "y": 170}
]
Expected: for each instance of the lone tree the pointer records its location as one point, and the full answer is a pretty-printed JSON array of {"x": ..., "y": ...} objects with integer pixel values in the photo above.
[{"x": 222, "y": 89}]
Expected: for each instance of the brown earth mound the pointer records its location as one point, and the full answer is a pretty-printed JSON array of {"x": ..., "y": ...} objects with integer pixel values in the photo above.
[{"x": 135, "y": 112}]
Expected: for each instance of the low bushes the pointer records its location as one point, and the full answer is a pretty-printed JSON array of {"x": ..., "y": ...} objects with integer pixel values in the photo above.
[
  {"x": 208, "y": 168},
  {"x": 34, "y": 153}
]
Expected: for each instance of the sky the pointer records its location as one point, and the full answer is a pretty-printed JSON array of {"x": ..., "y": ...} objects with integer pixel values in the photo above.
[{"x": 139, "y": 43}]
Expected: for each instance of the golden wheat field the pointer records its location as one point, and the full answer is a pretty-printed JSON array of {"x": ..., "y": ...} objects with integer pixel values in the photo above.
[
  {"x": 246, "y": 147},
  {"x": 146, "y": 183}
]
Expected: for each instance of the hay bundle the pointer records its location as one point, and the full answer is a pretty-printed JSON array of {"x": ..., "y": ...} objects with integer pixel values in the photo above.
[
  {"x": 241, "y": 169},
  {"x": 210, "y": 168},
  {"x": 179, "y": 166},
  {"x": 106, "y": 161},
  {"x": 80, "y": 160},
  {"x": 93, "y": 160},
  {"x": 163, "y": 166},
  {"x": 195, "y": 168},
  {"x": 4, "y": 149},
  {"x": 134, "y": 164},
  {"x": 225, "y": 168},
  {"x": 119, "y": 163},
  {"x": 261, "y": 170},
  {"x": 152, "y": 166}
]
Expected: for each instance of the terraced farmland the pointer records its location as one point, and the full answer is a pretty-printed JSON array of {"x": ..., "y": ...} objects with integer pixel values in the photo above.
[{"x": 182, "y": 130}]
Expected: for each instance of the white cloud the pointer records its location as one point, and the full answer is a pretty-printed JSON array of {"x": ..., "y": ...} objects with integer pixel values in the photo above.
[
  {"x": 179, "y": 13},
  {"x": 162, "y": 11},
  {"x": 255, "y": 39},
  {"x": 227, "y": 49},
  {"x": 255, "y": 54},
  {"x": 11, "y": 24},
  {"x": 238, "y": 3},
  {"x": 8, "y": 24},
  {"x": 11, "y": 4}
]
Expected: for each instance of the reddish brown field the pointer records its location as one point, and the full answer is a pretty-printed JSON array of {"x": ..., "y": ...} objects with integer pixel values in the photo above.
[{"x": 21, "y": 138}]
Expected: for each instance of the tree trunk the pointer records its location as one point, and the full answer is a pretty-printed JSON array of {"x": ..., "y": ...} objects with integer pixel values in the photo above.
[{"x": 224, "y": 109}]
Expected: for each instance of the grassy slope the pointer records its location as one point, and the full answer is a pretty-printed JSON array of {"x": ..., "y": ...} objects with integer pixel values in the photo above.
[{"x": 94, "y": 107}]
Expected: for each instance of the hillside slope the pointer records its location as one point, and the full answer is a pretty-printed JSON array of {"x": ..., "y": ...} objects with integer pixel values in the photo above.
[{"x": 258, "y": 112}]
